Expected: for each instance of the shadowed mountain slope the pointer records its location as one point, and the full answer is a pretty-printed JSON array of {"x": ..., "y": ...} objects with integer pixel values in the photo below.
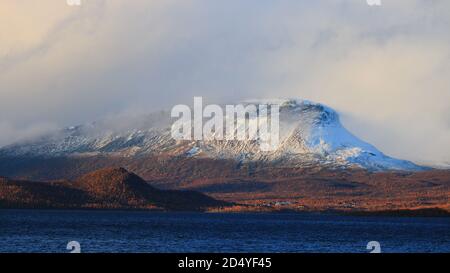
[{"x": 106, "y": 188}]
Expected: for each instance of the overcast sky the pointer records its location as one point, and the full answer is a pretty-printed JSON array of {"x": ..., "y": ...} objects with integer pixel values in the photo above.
[{"x": 385, "y": 69}]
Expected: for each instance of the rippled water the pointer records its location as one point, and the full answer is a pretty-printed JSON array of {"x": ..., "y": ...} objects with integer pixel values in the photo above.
[{"x": 125, "y": 231}]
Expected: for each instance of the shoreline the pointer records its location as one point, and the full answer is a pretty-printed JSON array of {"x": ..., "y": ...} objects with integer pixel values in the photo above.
[{"x": 402, "y": 213}]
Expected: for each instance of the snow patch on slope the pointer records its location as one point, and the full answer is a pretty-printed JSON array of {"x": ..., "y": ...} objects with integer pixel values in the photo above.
[{"x": 310, "y": 134}]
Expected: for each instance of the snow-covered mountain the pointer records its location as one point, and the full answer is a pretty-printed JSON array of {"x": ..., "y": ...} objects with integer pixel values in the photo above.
[{"x": 310, "y": 135}]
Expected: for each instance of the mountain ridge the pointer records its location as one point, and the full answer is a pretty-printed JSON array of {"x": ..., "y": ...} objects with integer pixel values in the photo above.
[
  {"x": 310, "y": 134},
  {"x": 261, "y": 190}
]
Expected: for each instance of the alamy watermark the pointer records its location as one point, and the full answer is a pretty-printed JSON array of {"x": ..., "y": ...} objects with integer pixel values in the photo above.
[
  {"x": 374, "y": 2},
  {"x": 78, "y": 2},
  {"x": 374, "y": 246},
  {"x": 73, "y": 2},
  {"x": 74, "y": 247},
  {"x": 238, "y": 122}
]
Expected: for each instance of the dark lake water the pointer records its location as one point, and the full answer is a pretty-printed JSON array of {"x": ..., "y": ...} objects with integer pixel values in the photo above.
[{"x": 125, "y": 231}]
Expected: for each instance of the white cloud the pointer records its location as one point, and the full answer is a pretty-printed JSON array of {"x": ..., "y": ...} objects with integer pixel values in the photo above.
[
  {"x": 385, "y": 68},
  {"x": 10, "y": 132}
]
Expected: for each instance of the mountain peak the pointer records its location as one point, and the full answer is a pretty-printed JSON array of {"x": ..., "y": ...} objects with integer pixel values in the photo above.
[
  {"x": 116, "y": 183},
  {"x": 310, "y": 134}
]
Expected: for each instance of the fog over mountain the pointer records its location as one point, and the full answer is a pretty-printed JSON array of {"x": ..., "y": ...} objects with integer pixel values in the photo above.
[
  {"x": 384, "y": 69},
  {"x": 308, "y": 135}
]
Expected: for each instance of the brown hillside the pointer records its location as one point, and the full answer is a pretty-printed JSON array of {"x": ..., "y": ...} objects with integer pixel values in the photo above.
[
  {"x": 115, "y": 185},
  {"x": 107, "y": 188},
  {"x": 307, "y": 188}
]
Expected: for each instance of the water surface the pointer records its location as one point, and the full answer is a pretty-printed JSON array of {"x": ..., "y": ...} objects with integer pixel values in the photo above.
[{"x": 131, "y": 231}]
